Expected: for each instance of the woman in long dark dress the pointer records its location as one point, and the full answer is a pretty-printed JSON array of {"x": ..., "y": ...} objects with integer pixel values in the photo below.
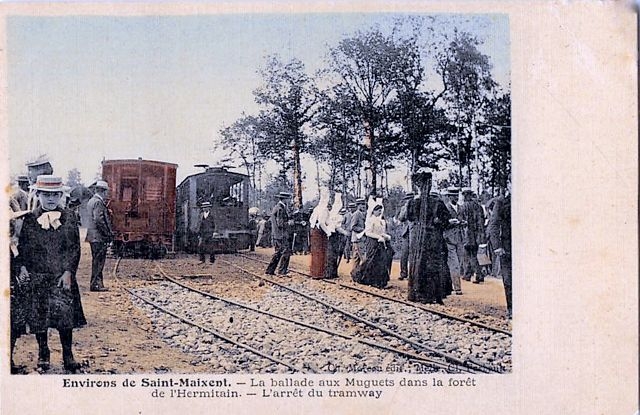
[
  {"x": 49, "y": 253},
  {"x": 426, "y": 258},
  {"x": 378, "y": 254}
]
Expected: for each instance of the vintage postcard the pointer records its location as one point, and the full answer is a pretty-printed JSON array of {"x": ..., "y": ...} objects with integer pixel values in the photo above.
[{"x": 303, "y": 207}]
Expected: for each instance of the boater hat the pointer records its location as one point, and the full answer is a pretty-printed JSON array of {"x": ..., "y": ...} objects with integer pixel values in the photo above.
[
  {"x": 22, "y": 179},
  {"x": 408, "y": 196},
  {"x": 283, "y": 195},
  {"x": 48, "y": 183},
  {"x": 205, "y": 205},
  {"x": 453, "y": 191},
  {"x": 360, "y": 201}
]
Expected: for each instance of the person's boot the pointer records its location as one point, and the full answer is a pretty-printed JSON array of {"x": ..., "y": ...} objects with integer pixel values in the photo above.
[
  {"x": 16, "y": 369},
  {"x": 44, "y": 355},
  {"x": 66, "y": 338}
]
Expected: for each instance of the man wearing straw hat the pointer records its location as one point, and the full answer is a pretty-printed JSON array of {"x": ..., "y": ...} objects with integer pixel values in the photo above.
[
  {"x": 48, "y": 259},
  {"x": 99, "y": 234}
]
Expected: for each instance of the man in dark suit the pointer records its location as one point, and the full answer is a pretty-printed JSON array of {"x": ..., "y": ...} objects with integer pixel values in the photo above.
[
  {"x": 453, "y": 237},
  {"x": 280, "y": 234},
  {"x": 356, "y": 227},
  {"x": 405, "y": 233},
  {"x": 499, "y": 230},
  {"x": 206, "y": 229},
  {"x": 473, "y": 235},
  {"x": 99, "y": 234}
]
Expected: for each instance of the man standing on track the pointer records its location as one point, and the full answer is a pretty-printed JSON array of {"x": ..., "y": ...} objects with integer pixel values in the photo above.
[
  {"x": 99, "y": 234},
  {"x": 356, "y": 228},
  {"x": 280, "y": 233},
  {"x": 206, "y": 229}
]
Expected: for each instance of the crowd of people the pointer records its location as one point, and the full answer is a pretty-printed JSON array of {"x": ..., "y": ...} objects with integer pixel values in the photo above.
[
  {"x": 45, "y": 253},
  {"x": 446, "y": 237}
]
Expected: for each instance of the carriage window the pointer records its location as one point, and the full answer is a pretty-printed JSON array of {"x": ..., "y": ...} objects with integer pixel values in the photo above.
[
  {"x": 129, "y": 189},
  {"x": 153, "y": 189}
]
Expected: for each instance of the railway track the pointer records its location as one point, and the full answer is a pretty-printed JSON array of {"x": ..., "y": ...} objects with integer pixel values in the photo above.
[
  {"x": 199, "y": 326},
  {"x": 233, "y": 306},
  {"x": 385, "y": 297},
  {"x": 388, "y": 329}
]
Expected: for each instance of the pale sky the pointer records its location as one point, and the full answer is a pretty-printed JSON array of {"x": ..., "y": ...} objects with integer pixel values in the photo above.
[{"x": 84, "y": 88}]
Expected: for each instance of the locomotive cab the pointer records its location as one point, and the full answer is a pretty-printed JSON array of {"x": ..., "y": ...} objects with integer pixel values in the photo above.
[{"x": 228, "y": 194}]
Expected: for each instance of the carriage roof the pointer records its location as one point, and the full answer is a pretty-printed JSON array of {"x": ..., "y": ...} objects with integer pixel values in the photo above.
[{"x": 217, "y": 171}]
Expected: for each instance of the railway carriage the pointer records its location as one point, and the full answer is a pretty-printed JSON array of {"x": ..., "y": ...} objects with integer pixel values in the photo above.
[
  {"x": 228, "y": 194},
  {"x": 142, "y": 203}
]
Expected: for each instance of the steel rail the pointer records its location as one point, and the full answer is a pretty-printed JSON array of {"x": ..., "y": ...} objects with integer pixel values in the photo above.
[
  {"x": 208, "y": 330},
  {"x": 216, "y": 333},
  {"x": 407, "y": 303},
  {"x": 370, "y": 343},
  {"x": 469, "y": 363}
]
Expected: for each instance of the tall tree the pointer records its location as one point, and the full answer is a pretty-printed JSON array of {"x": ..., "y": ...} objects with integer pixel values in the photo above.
[
  {"x": 288, "y": 96},
  {"x": 367, "y": 65},
  {"x": 242, "y": 139},
  {"x": 495, "y": 137},
  {"x": 466, "y": 75},
  {"x": 337, "y": 142}
]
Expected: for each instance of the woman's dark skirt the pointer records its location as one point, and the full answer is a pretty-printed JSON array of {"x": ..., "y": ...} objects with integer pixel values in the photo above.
[{"x": 375, "y": 265}]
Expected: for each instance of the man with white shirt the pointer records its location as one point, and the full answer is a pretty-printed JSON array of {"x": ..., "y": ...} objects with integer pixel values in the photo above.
[{"x": 99, "y": 234}]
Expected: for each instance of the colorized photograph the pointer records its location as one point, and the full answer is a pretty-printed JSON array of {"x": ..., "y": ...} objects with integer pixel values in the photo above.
[{"x": 260, "y": 193}]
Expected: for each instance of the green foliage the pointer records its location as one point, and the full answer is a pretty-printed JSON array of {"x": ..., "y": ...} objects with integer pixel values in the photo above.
[{"x": 387, "y": 97}]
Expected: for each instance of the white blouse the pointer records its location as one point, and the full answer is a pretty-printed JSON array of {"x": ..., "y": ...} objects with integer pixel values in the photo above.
[{"x": 375, "y": 227}]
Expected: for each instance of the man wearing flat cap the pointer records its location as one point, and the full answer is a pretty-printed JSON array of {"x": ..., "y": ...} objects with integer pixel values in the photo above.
[
  {"x": 99, "y": 234},
  {"x": 280, "y": 234}
]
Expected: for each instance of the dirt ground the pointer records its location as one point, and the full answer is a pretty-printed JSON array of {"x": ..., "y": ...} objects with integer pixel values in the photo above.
[{"x": 119, "y": 338}]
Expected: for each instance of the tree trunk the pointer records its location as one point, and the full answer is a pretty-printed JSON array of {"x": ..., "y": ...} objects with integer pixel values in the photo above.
[
  {"x": 297, "y": 175},
  {"x": 318, "y": 176}
]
